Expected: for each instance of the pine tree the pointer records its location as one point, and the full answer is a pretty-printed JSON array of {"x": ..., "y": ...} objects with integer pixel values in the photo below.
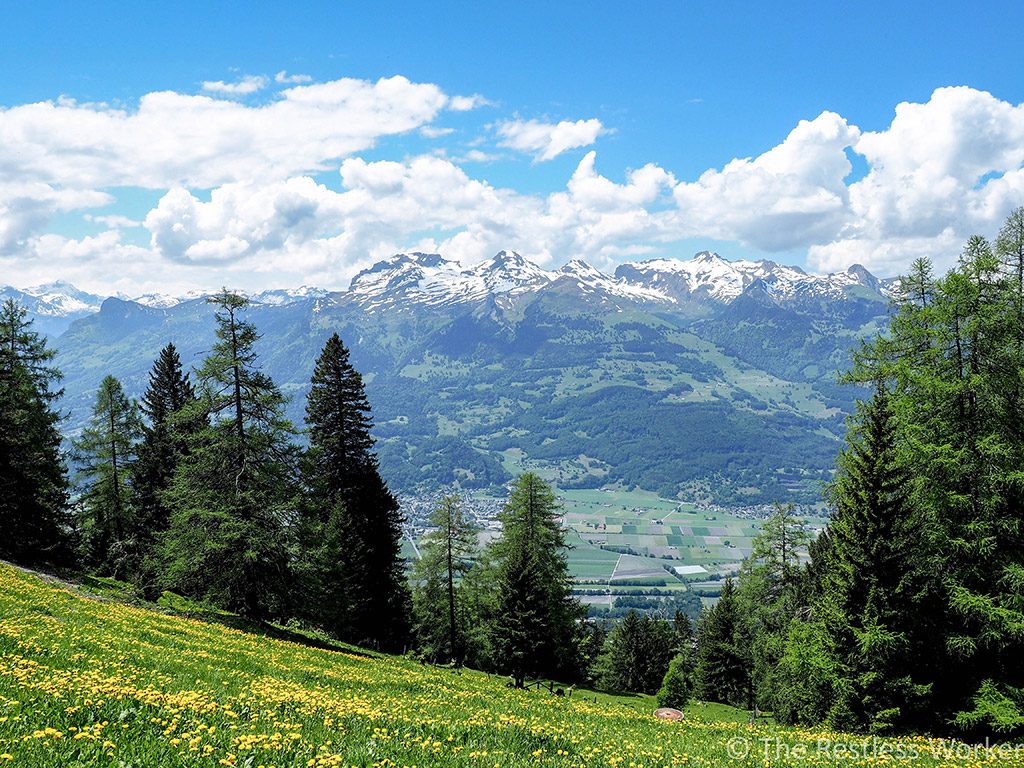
[
  {"x": 105, "y": 451},
  {"x": 234, "y": 485},
  {"x": 33, "y": 479},
  {"x": 360, "y": 580},
  {"x": 164, "y": 436},
  {"x": 534, "y": 628},
  {"x": 445, "y": 558},
  {"x": 721, "y": 670}
]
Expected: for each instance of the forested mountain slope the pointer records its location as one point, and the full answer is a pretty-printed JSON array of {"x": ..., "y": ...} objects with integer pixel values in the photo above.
[{"x": 705, "y": 376}]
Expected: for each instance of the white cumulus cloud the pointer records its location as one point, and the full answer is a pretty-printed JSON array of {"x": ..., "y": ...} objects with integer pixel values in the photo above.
[
  {"x": 283, "y": 77},
  {"x": 941, "y": 171},
  {"x": 245, "y": 86},
  {"x": 546, "y": 141},
  {"x": 792, "y": 195},
  {"x": 466, "y": 103},
  {"x": 201, "y": 141},
  {"x": 281, "y": 192}
]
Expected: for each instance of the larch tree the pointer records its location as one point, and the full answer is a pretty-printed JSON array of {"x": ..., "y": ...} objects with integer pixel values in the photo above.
[
  {"x": 438, "y": 609},
  {"x": 105, "y": 451},
  {"x": 769, "y": 595},
  {"x": 232, "y": 493}
]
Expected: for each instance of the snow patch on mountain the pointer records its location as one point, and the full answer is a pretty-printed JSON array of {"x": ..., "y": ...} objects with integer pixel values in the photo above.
[
  {"x": 58, "y": 299},
  {"x": 282, "y": 297},
  {"x": 428, "y": 278},
  {"x": 406, "y": 280},
  {"x": 709, "y": 276},
  {"x": 590, "y": 280}
]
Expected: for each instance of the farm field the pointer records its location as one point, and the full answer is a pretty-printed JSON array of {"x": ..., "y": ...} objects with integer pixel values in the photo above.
[
  {"x": 625, "y": 541},
  {"x": 648, "y": 533},
  {"x": 94, "y": 682}
]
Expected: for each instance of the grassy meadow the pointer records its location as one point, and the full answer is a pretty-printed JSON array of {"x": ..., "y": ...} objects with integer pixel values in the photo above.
[{"x": 86, "y": 680}]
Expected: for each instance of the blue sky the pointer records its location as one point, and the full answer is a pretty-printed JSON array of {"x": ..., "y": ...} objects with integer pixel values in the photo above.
[{"x": 682, "y": 88}]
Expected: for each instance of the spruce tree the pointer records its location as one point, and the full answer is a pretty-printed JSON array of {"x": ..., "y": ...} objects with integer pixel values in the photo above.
[
  {"x": 440, "y": 618},
  {"x": 358, "y": 577},
  {"x": 721, "y": 667},
  {"x": 876, "y": 580},
  {"x": 233, "y": 488},
  {"x": 33, "y": 479},
  {"x": 637, "y": 654},
  {"x": 105, "y": 451},
  {"x": 165, "y": 435},
  {"x": 534, "y": 627}
]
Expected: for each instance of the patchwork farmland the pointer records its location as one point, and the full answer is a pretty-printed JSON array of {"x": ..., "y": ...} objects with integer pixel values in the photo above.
[{"x": 650, "y": 536}]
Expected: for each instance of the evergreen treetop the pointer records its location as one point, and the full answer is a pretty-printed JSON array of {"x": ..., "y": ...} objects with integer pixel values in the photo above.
[{"x": 33, "y": 479}]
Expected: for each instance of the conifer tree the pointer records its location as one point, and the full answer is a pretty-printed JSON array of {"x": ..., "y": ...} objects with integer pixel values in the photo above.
[
  {"x": 876, "y": 580},
  {"x": 769, "y": 595},
  {"x": 954, "y": 366},
  {"x": 33, "y": 479},
  {"x": 359, "y": 576},
  {"x": 105, "y": 451},
  {"x": 445, "y": 558},
  {"x": 637, "y": 654},
  {"x": 721, "y": 670},
  {"x": 1009, "y": 250},
  {"x": 534, "y": 627},
  {"x": 233, "y": 488},
  {"x": 164, "y": 436},
  {"x": 685, "y": 634},
  {"x": 677, "y": 683}
]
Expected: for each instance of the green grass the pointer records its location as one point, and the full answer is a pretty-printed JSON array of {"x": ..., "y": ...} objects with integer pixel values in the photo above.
[{"x": 88, "y": 681}]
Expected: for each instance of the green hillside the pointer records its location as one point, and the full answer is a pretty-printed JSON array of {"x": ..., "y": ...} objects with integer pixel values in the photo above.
[
  {"x": 737, "y": 407},
  {"x": 88, "y": 681}
]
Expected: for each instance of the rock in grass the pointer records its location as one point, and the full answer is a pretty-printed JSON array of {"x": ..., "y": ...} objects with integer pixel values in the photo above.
[{"x": 667, "y": 713}]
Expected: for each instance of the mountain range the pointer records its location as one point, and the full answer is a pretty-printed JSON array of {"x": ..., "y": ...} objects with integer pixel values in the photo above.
[{"x": 707, "y": 378}]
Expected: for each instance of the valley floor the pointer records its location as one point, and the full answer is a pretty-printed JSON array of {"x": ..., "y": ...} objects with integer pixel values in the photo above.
[{"x": 92, "y": 682}]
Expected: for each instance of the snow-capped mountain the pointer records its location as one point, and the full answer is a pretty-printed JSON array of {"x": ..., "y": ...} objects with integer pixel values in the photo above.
[
  {"x": 55, "y": 305},
  {"x": 57, "y": 299},
  {"x": 409, "y": 280},
  {"x": 284, "y": 296},
  {"x": 592, "y": 283},
  {"x": 276, "y": 297},
  {"x": 571, "y": 365},
  {"x": 710, "y": 277},
  {"x": 159, "y": 300}
]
